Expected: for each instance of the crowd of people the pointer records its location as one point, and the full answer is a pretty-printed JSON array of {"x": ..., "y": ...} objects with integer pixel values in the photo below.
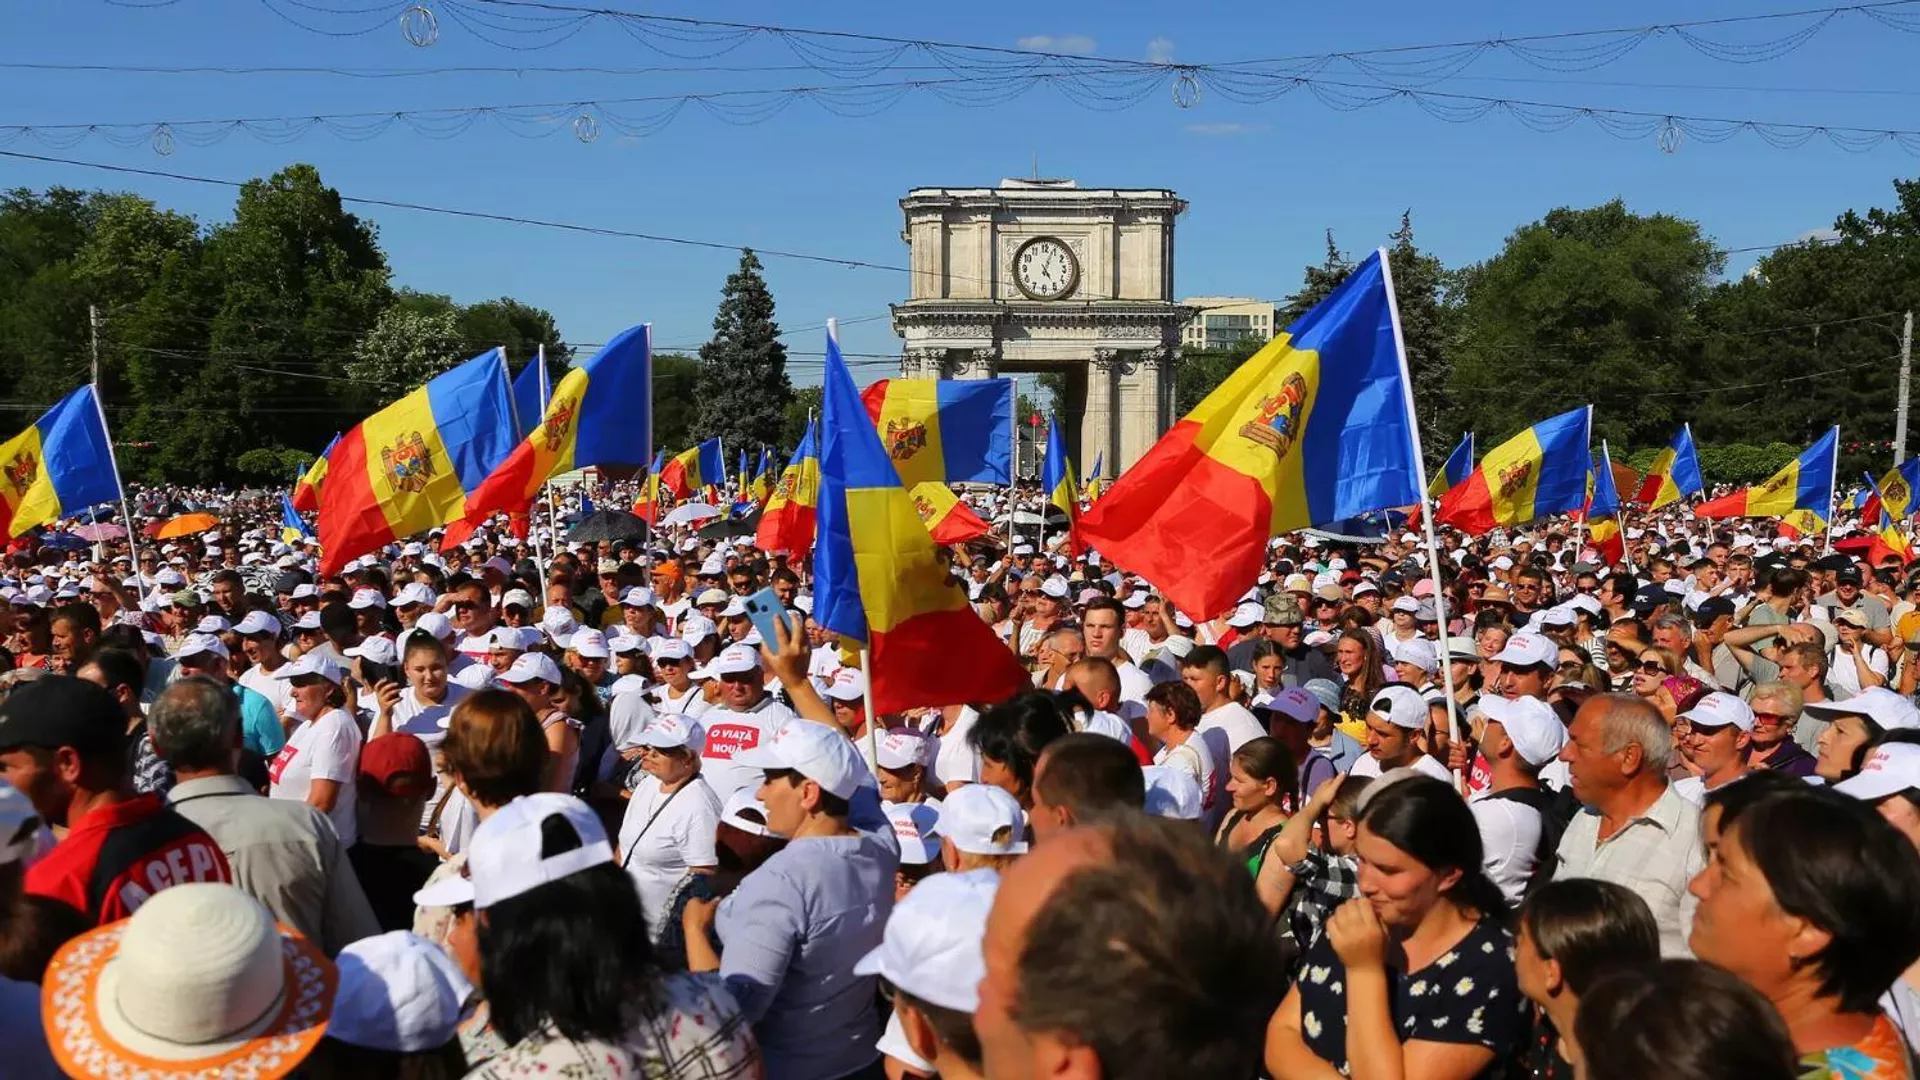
[{"x": 531, "y": 807}]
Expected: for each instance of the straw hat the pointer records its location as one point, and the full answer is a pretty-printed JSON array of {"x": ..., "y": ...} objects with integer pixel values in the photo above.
[{"x": 199, "y": 982}]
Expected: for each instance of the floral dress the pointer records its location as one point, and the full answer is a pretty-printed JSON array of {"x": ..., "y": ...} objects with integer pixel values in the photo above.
[
  {"x": 694, "y": 1031},
  {"x": 1468, "y": 995},
  {"x": 1882, "y": 1055}
]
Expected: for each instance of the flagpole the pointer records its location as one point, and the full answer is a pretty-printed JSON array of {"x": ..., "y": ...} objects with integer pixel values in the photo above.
[
  {"x": 1833, "y": 486},
  {"x": 126, "y": 515},
  {"x": 1013, "y": 468},
  {"x": 1426, "y": 520},
  {"x": 546, "y": 488}
]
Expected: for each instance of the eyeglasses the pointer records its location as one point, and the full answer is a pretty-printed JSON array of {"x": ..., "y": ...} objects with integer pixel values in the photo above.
[
  {"x": 465, "y": 605},
  {"x": 1653, "y": 667},
  {"x": 1771, "y": 718}
]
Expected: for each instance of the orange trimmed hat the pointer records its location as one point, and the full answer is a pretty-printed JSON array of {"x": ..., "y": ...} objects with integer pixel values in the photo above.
[{"x": 199, "y": 982}]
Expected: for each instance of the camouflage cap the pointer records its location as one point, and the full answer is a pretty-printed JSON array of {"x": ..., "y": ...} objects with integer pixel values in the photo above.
[{"x": 1284, "y": 610}]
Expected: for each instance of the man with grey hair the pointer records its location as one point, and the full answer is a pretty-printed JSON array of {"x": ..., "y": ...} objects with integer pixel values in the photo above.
[
  {"x": 282, "y": 852},
  {"x": 1633, "y": 828}
]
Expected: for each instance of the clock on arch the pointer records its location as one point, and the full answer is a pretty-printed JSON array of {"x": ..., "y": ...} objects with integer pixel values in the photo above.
[{"x": 1044, "y": 268}]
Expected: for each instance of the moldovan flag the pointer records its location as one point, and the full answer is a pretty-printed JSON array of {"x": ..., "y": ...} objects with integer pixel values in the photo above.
[
  {"x": 948, "y": 520},
  {"x": 647, "y": 506},
  {"x": 696, "y": 468},
  {"x": 1896, "y": 488},
  {"x": 306, "y": 491},
  {"x": 61, "y": 465},
  {"x": 1805, "y": 484},
  {"x": 1891, "y": 536},
  {"x": 761, "y": 489},
  {"x": 293, "y": 527},
  {"x": 1056, "y": 479},
  {"x": 1541, "y": 471},
  {"x": 1315, "y": 427},
  {"x": 1675, "y": 472},
  {"x": 879, "y": 577},
  {"x": 1458, "y": 467},
  {"x": 531, "y": 392},
  {"x": 787, "y": 522},
  {"x": 1603, "y": 510},
  {"x": 956, "y": 431},
  {"x": 412, "y": 465},
  {"x": 600, "y": 414}
]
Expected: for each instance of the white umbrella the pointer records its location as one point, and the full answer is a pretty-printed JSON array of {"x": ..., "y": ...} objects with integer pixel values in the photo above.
[{"x": 688, "y": 513}]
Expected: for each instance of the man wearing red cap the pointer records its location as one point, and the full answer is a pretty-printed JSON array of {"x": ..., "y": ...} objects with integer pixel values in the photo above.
[{"x": 396, "y": 779}]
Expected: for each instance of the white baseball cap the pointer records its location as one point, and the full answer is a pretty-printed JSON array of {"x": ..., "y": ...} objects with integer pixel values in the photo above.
[
  {"x": 1560, "y": 615},
  {"x": 744, "y": 811},
  {"x": 1531, "y": 725},
  {"x": 1528, "y": 650},
  {"x": 982, "y": 819},
  {"x": 591, "y": 644},
  {"x": 378, "y": 648},
  {"x": 367, "y": 598},
  {"x": 1172, "y": 793},
  {"x": 517, "y": 598},
  {"x": 437, "y": 624},
  {"x": 931, "y": 948},
  {"x": 474, "y": 677},
  {"x": 696, "y": 628},
  {"x": 1405, "y": 603},
  {"x": 212, "y": 624},
  {"x": 413, "y": 593},
  {"x": 504, "y": 856},
  {"x": 620, "y": 641},
  {"x": 512, "y": 638},
  {"x": 1891, "y": 769},
  {"x": 1888, "y": 710},
  {"x": 736, "y": 608},
  {"x": 671, "y": 731},
  {"x": 1417, "y": 652},
  {"x": 257, "y": 622},
  {"x": 917, "y": 827},
  {"x": 558, "y": 622},
  {"x": 1400, "y": 705},
  {"x": 670, "y": 648},
  {"x": 199, "y": 645},
  {"x": 309, "y": 621},
  {"x": 903, "y": 748},
  {"x": 1248, "y": 614},
  {"x": 1717, "y": 710},
  {"x": 399, "y": 993},
  {"x": 734, "y": 660},
  {"x": 529, "y": 666},
  {"x": 638, "y": 596},
  {"x": 710, "y": 597},
  {"x": 315, "y": 662},
  {"x": 816, "y": 752},
  {"x": 849, "y": 685}
]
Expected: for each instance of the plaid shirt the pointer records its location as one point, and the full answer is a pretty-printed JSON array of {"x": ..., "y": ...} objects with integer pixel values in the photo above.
[{"x": 1321, "y": 882}]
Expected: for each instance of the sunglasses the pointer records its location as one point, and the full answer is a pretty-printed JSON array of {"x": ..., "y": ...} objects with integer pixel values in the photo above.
[
  {"x": 465, "y": 605},
  {"x": 1653, "y": 667},
  {"x": 1570, "y": 665},
  {"x": 1770, "y": 718}
]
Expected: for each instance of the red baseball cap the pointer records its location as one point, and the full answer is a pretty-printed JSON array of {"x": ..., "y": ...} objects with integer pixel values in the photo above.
[{"x": 397, "y": 764}]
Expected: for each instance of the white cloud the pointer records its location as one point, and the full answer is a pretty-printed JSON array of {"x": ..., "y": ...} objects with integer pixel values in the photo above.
[
  {"x": 1160, "y": 51},
  {"x": 1824, "y": 236},
  {"x": 1224, "y": 130},
  {"x": 1078, "y": 44}
]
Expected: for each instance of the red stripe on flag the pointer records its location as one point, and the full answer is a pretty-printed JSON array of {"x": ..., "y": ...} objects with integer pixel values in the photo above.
[
  {"x": 1186, "y": 523},
  {"x": 351, "y": 521},
  {"x": 1726, "y": 506},
  {"x": 942, "y": 658},
  {"x": 788, "y": 529},
  {"x": 1468, "y": 505},
  {"x": 959, "y": 525},
  {"x": 507, "y": 488},
  {"x": 875, "y": 399}
]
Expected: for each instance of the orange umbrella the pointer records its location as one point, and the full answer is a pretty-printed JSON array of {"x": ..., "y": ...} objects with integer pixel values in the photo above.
[{"x": 185, "y": 525}]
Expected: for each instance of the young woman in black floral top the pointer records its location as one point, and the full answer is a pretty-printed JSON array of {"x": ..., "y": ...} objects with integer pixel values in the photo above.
[{"x": 1415, "y": 977}]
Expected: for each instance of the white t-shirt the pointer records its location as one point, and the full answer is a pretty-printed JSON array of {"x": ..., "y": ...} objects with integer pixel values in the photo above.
[
  {"x": 1843, "y": 678},
  {"x": 730, "y": 732},
  {"x": 1510, "y": 838},
  {"x": 1195, "y": 759},
  {"x": 681, "y": 835},
  {"x": 1368, "y": 765},
  {"x": 1227, "y": 728},
  {"x": 274, "y": 690},
  {"x": 1135, "y": 642},
  {"x": 692, "y": 704},
  {"x": 474, "y": 646},
  {"x": 324, "y": 749},
  {"x": 428, "y": 721},
  {"x": 953, "y": 760}
]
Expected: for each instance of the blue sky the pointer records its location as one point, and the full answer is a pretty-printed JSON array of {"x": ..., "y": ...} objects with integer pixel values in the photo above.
[{"x": 1264, "y": 182}]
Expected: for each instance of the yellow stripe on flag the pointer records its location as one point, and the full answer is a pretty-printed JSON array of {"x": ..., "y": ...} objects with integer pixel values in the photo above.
[
  {"x": 408, "y": 469},
  {"x": 909, "y": 425},
  {"x": 875, "y": 514},
  {"x": 1238, "y": 429},
  {"x": 27, "y": 488},
  {"x": 1512, "y": 472}
]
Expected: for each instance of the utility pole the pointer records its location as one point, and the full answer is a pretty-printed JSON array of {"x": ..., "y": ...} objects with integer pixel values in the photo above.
[
  {"x": 93, "y": 323},
  {"x": 1906, "y": 372}
]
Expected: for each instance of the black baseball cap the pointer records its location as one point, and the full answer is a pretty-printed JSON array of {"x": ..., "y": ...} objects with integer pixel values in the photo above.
[
  {"x": 60, "y": 710},
  {"x": 1848, "y": 576},
  {"x": 1712, "y": 608}
]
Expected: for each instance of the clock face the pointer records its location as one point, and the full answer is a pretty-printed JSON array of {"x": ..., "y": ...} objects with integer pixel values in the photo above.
[{"x": 1045, "y": 268}]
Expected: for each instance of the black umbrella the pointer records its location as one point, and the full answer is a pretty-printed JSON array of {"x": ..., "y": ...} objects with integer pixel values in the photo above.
[
  {"x": 727, "y": 528},
  {"x": 611, "y": 525}
]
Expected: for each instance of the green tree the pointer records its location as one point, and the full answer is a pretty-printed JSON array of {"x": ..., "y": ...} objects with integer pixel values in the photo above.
[
  {"x": 522, "y": 328},
  {"x": 1200, "y": 371},
  {"x": 1420, "y": 287},
  {"x": 1593, "y": 306},
  {"x": 676, "y": 393},
  {"x": 805, "y": 404},
  {"x": 743, "y": 388},
  {"x": 405, "y": 349}
]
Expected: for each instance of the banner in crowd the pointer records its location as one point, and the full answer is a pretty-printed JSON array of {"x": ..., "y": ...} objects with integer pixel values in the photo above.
[
  {"x": 878, "y": 577},
  {"x": 1317, "y": 426}
]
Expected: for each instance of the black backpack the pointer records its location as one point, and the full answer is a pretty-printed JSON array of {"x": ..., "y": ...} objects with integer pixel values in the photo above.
[{"x": 1556, "y": 810}]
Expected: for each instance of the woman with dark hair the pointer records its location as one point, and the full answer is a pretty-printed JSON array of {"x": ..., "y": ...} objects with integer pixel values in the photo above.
[
  {"x": 1890, "y": 783},
  {"x": 580, "y": 700},
  {"x": 1173, "y": 711},
  {"x": 1415, "y": 976},
  {"x": 1260, "y": 779},
  {"x": 1362, "y": 665},
  {"x": 1854, "y": 725},
  {"x": 1808, "y": 896},
  {"x": 1009, "y": 737},
  {"x": 1570, "y": 933},
  {"x": 1681, "y": 1020},
  {"x": 565, "y": 963}
]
